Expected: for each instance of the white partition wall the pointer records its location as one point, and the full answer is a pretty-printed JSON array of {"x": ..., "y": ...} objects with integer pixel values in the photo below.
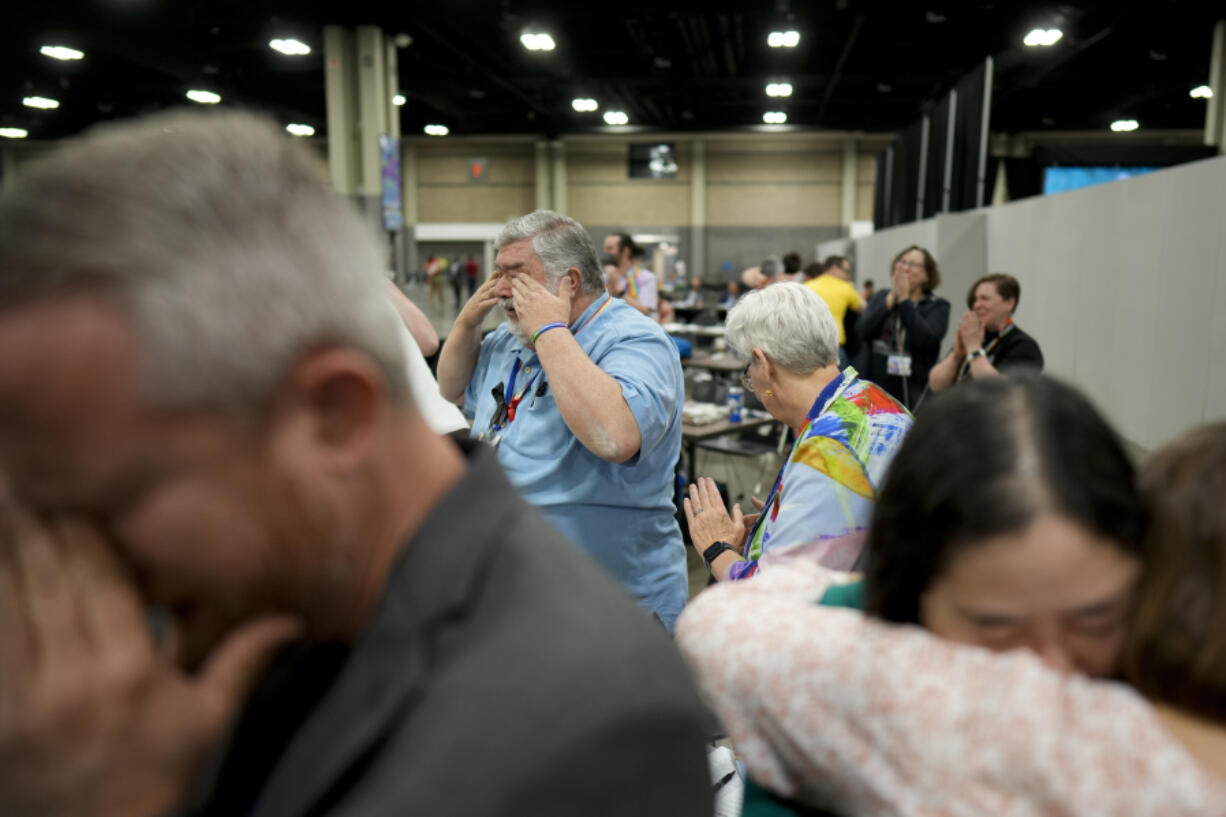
[{"x": 1123, "y": 286}]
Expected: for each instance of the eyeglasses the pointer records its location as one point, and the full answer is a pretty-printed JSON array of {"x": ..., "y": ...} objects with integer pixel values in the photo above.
[
  {"x": 745, "y": 381},
  {"x": 909, "y": 264}
]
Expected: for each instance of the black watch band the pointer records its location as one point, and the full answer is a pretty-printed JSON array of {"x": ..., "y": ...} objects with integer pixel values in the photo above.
[{"x": 712, "y": 553}]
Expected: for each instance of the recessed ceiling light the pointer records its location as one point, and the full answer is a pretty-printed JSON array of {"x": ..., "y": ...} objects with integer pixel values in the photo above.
[
  {"x": 1201, "y": 92},
  {"x": 40, "y": 102},
  {"x": 616, "y": 118},
  {"x": 437, "y": 130},
  {"x": 779, "y": 89},
  {"x": 13, "y": 133},
  {"x": 783, "y": 39},
  {"x": 1124, "y": 125},
  {"x": 300, "y": 130},
  {"x": 61, "y": 52},
  {"x": 774, "y": 117},
  {"x": 290, "y": 47},
  {"x": 584, "y": 105},
  {"x": 399, "y": 99},
  {"x": 537, "y": 41},
  {"x": 1043, "y": 37},
  {"x": 203, "y": 97}
]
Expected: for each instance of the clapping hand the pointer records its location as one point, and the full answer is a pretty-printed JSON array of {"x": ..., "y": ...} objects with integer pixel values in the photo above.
[
  {"x": 709, "y": 521},
  {"x": 970, "y": 335}
]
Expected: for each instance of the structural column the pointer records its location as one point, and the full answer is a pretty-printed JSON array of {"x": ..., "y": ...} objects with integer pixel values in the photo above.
[
  {"x": 544, "y": 194},
  {"x": 359, "y": 82},
  {"x": 849, "y": 183},
  {"x": 1215, "y": 111},
  {"x": 698, "y": 210},
  {"x": 558, "y": 150}
]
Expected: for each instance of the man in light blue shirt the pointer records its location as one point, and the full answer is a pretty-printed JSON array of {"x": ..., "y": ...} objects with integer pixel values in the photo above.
[{"x": 581, "y": 395}]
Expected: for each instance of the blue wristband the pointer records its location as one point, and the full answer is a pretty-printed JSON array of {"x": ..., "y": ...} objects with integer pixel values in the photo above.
[{"x": 546, "y": 328}]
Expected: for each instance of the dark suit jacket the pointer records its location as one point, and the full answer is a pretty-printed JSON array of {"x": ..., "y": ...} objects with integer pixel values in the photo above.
[{"x": 503, "y": 674}]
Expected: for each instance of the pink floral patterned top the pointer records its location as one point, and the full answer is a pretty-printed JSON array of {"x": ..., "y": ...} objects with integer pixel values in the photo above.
[{"x": 830, "y": 707}]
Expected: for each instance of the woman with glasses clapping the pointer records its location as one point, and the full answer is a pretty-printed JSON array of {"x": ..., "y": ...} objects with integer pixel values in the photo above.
[
  {"x": 904, "y": 326},
  {"x": 846, "y": 429}
]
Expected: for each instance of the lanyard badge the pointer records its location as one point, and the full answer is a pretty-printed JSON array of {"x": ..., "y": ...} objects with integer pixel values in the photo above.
[{"x": 506, "y": 401}]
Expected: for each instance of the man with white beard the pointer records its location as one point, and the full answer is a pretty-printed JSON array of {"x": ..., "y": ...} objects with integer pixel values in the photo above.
[{"x": 581, "y": 396}]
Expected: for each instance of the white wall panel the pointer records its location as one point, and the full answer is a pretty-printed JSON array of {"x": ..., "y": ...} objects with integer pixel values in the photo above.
[{"x": 1123, "y": 285}]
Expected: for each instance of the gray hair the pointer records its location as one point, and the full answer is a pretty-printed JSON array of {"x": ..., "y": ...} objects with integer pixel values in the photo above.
[
  {"x": 789, "y": 322},
  {"x": 219, "y": 239},
  {"x": 561, "y": 243}
]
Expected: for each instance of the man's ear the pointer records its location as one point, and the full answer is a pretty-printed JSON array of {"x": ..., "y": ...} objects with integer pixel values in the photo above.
[{"x": 330, "y": 407}]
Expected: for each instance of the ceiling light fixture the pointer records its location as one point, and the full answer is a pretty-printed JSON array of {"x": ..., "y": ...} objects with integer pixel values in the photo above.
[
  {"x": 1043, "y": 37},
  {"x": 1201, "y": 92},
  {"x": 783, "y": 39},
  {"x": 537, "y": 41},
  {"x": 290, "y": 47},
  {"x": 399, "y": 99},
  {"x": 437, "y": 130},
  {"x": 300, "y": 130},
  {"x": 1124, "y": 125},
  {"x": 203, "y": 97},
  {"x": 61, "y": 52},
  {"x": 40, "y": 102},
  {"x": 779, "y": 89},
  {"x": 584, "y": 105},
  {"x": 616, "y": 118},
  {"x": 774, "y": 117},
  {"x": 13, "y": 133}
]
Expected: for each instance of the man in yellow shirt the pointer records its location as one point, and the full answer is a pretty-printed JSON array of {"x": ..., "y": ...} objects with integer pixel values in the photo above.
[{"x": 833, "y": 284}]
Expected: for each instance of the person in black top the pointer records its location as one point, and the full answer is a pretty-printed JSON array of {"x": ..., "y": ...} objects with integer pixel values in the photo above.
[
  {"x": 988, "y": 343},
  {"x": 905, "y": 325}
]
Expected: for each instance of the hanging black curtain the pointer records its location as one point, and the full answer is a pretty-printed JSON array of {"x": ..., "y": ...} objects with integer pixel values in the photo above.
[
  {"x": 881, "y": 189},
  {"x": 934, "y": 179},
  {"x": 905, "y": 175},
  {"x": 968, "y": 130}
]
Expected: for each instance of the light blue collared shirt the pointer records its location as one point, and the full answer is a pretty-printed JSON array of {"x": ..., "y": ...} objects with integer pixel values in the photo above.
[{"x": 620, "y": 514}]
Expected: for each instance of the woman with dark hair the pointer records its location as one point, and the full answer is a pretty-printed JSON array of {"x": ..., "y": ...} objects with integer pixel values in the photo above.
[
  {"x": 1176, "y": 652},
  {"x": 905, "y": 325},
  {"x": 1010, "y": 531}
]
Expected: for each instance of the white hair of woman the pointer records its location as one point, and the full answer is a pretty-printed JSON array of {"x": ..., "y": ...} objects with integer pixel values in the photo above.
[{"x": 789, "y": 322}]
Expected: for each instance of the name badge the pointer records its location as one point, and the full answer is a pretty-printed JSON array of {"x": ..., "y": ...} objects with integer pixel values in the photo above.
[{"x": 899, "y": 365}]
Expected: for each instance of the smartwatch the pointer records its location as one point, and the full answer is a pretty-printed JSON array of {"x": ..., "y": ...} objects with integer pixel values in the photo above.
[{"x": 712, "y": 553}]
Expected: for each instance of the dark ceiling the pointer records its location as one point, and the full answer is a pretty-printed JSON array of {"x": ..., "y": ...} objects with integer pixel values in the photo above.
[{"x": 670, "y": 65}]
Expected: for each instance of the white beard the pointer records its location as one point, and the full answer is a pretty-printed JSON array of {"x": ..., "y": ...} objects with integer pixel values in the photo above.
[{"x": 514, "y": 326}]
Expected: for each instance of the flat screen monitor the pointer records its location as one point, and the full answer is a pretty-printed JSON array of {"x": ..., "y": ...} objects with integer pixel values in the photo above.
[
  {"x": 653, "y": 160},
  {"x": 1060, "y": 179}
]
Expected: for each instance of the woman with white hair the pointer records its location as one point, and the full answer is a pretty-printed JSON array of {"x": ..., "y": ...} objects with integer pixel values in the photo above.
[{"x": 847, "y": 431}]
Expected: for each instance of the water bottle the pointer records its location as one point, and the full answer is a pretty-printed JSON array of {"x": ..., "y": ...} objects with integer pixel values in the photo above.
[{"x": 736, "y": 401}]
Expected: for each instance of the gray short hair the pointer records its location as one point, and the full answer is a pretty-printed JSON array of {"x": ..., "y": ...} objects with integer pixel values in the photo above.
[
  {"x": 561, "y": 243},
  {"x": 789, "y": 322},
  {"x": 220, "y": 240}
]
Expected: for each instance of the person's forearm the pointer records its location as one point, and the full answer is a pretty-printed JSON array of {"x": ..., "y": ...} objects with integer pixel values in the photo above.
[
  {"x": 982, "y": 367},
  {"x": 458, "y": 360},
  {"x": 943, "y": 374},
  {"x": 418, "y": 324},
  {"x": 589, "y": 400}
]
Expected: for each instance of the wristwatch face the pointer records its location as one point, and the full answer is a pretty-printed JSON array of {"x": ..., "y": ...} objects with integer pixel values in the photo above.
[{"x": 711, "y": 553}]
